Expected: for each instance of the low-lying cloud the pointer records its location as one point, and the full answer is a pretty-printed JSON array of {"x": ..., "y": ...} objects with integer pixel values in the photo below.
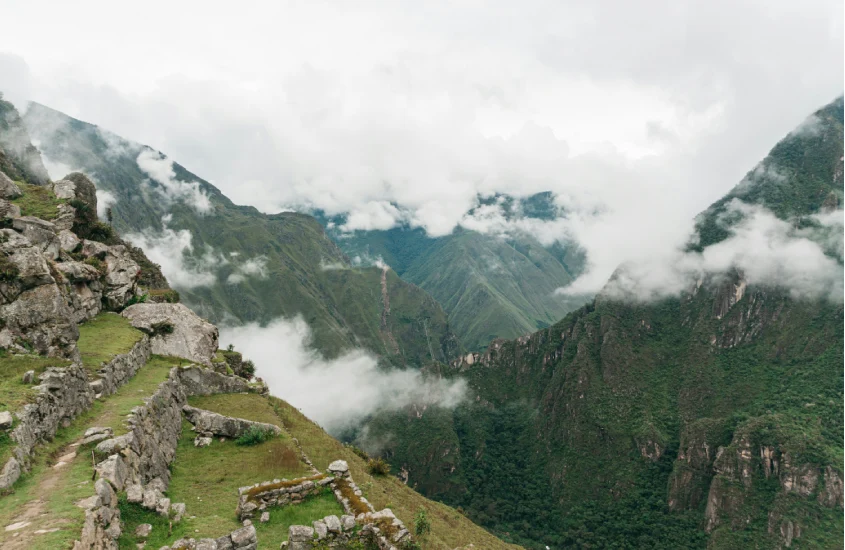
[
  {"x": 254, "y": 267},
  {"x": 336, "y": 393},
  {"x": 160, "y": 169},
  {"x": 767, "y": 250}
]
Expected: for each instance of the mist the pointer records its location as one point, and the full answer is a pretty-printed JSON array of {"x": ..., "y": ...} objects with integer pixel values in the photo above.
[{"x": 336, "y": 393}]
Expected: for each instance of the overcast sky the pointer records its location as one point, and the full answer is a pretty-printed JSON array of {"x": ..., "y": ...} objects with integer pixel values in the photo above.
[{"x": 637, "y": 114}]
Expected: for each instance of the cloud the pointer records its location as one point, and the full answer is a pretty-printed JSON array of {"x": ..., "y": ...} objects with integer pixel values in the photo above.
[
  {"x": 636, "y": 116},
  {"x": 105, "y": 199},
  {"x": 768, "y": 251},
  {"x": 254, "y": 267},
  {"x": 337, "y": 393},
  {"x": 160, "y": 169},
  {"x": 174, "y": 252}
]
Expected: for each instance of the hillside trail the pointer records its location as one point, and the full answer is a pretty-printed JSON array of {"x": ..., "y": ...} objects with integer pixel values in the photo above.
[{"x": 34, "y": 520}]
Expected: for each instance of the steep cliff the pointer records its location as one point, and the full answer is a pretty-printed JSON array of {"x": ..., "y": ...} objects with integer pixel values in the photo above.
[{"x": 713, "y": 418}]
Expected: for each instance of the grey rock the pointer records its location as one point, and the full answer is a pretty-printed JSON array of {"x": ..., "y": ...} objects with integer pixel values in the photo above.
[
  {"x": 163, "y": 506},
  {"x": 93, "y": 439},
  {"x": 135, "y": 493},
  {"x": 113, "y": 469},
  {"x": 10, "y": 474},
  {"x": 177, "y": 510},
  {"x": 6, "y": 420},
  {"x": 115, "y": 445},
  {"x": 300, "y": 533},
  {"x": 348, "y": 522},
  {"x": 224, "y": 543},
  {"x": 265, "y": 517},
  {"x": 206, "y": 544},
  {"x": 143, "y": 530},
  {"x": 244, "y": 537},
  {"x": 192, "y": 337},
  {"x": 40, "y": 233},
  {"x": 8, "y": 189},
  {"x": 68, "y": 241},
  {"x": 9, "y": 209},
  {"x": 97, "y": 430},
  {"x": 320, "y": 529},
  {"x": 77, "y": 272},
  {"x": 202, "y": 441},
  {"x": 105, "y": 492},
  {"x": 339, "y": 467},
  {"x": 29, "y": 377},
  {"x": 121, "y": 277},
  {"x": 333, "y": 524},
  {"x": 65, "y": 216},
  {"x": 207, "y": 421}
]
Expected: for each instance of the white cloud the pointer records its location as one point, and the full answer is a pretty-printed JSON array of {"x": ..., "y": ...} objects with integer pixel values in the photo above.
[
  {"x": 336, "y": 393},
  {"x": 635, "y": 115},
  {"x": 254, "y": 267},
  {"x": 768, "y": 251},
  {"x": 174, "y": 252},
  {"x": 105, "y": 199},
  {"x": 160, "y": 169}
]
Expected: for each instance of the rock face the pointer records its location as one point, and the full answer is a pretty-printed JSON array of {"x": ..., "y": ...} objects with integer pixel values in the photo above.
[
  {"x": 207, "y": 421},
  {"x": 175, "y": 330},
  {"x": 8, "y": 189}
]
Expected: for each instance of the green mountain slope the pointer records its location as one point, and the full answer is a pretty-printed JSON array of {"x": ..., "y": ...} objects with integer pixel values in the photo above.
[
  {"x": 713, "y": 419},
  {"x": 490, "y": 286},
  {"x": 253, "y": 267}
]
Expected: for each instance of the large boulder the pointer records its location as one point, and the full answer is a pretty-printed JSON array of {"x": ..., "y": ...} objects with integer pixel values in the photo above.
[
  {"x": 8, "y": 189},
  {"x": 121, "y": 277},
  {"x": 207, "y": 421},
  {"x": 175, "y": 330}
]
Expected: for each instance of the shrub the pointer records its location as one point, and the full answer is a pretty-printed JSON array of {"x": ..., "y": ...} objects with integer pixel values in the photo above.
[
  {"x": 254, "y": 436},
  {"x": 162, "y": 327},
  {"x": 247, "y": 369},
  {"x": 96, "y": 263},
  {"x": 378, "y": 467},
  {"x": 422, "y": 525},
  {"x": 137, "y": 299}
]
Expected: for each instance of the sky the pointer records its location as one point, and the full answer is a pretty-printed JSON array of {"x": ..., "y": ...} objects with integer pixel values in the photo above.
[{"x": 637, "y": 115}]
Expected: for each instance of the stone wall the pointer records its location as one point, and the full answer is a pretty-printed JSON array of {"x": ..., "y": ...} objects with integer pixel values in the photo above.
[
  {"x": 138, "y": 462},
  {"x": 122, "y": 368},
  {"x": 62, "y": 395},
  {"x": 208, "y": 422},
  {"x": 279, "y": 492}
]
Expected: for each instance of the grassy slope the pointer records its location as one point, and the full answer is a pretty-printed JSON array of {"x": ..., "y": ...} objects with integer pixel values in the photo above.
[
  {"x": 450, "y": 529},
  {"x": 579, "y": 401},
  {"x": 105, "y": 336},
  {"x": 339, "y": 310}
]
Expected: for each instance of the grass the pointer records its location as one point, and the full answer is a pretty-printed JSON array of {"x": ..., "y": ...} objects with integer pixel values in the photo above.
[
  {"x": 275, "y": 531},
  {"x": 105, "y": 336},
  {"x": 133, "y": 515},
  {"x": 74, "y": 482},
  {"x": 38, "y": 201},
  {"x": 449, "y": 529},
  {"x": 207, "y": 479}
]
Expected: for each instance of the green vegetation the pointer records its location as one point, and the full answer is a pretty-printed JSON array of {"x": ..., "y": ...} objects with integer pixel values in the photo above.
[
  {"x": 378, "y": 467},
  {"x": 132, "y": 515},
  {"x": 38, "y": 201},
  {"x": 254, "y": 436},
  {"x": 272, "y": 533},
  {"x": 207, "y": 479},
  {"x": 104, "y": 337}
]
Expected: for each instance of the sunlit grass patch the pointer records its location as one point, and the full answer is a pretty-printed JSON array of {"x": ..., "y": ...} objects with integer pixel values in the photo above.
[{"x": 105, "y": 336}]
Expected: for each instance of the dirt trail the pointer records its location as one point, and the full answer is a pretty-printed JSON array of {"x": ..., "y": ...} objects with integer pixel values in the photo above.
[{"x": 33, "y": 519}]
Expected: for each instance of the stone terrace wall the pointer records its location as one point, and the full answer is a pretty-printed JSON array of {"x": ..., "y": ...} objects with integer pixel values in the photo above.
[
  {"x": 122, "y": 368},
  {"x": 139, "y": 461},
  {"x": 63, "y": 394}
]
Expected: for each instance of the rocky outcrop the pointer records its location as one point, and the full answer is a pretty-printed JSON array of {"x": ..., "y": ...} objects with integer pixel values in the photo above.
[
  {"x": 121, "y": 272},
  {"x": 226, "y": 426},
  {"x": 175, "y": 330},
  {"x": 8, "y": 189}
]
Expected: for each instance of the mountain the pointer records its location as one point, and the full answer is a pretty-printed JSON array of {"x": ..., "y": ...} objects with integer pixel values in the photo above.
[
  {"x": 491, "y": 286},
  {"x": 710, "y": 419},
  {"x": 124, "y": 426},
  {"x": 237, "y": 265}
]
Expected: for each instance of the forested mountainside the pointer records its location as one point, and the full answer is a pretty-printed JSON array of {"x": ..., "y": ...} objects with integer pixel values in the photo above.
[
  {"x": 712, "y": 419},
  {"x": 491, "y": 286},
  {"x": 243, "y": 265}
]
